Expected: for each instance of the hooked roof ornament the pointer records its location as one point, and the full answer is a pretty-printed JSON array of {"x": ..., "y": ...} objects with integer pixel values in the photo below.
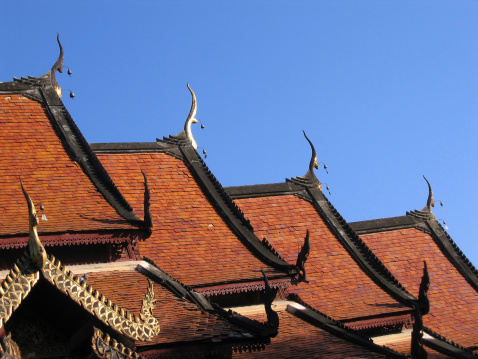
[
  {"x": 57, "y": 66},
  {"x": 270, "y": 294},
  {"x": 302, "y": 257},
  {"x": 35, "y": 247},
  {"x": 191, "y": 119},
  {"x": 309, "y": 178},
  {"x": 426, "y": 212},
  {"x": 185, "y": 137},
  {"x": 422, "y": 307},
  {"x": 34, "y": 261},
  {"x": 430, "y": 201},
  {"x": 148, "y": 219}
]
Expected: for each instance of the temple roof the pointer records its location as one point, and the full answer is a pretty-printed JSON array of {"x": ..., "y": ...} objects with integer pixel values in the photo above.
[
  {"x": 191, "y": 239},
  {"x": 32, "y": 150},
  {"x": 336, "y": 284},
  {"x": 42, "y": 145},
  {"x": 402, "y": 243},
  {"x": 307, "y": 334}
]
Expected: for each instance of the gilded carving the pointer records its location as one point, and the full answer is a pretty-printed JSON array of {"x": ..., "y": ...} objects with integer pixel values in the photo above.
[
  {"x": 106, "y": 347},
  {"x": 136, "y": 328},
  {"x": 9, "y": 349},
  {"x": 25, "y": 274},
  {"x": 16, "y": 287}
]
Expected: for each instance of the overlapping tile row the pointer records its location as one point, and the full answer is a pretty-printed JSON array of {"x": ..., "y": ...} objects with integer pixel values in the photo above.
[
  {"x": 453, "y": 301},
  {"x": 190, "y": 240},
  {"x": 298, "y": 339},
  {"x": 181, "y": 321},
  {"x": 32, "y": 150},
  {"x": 337, "y": 286}
]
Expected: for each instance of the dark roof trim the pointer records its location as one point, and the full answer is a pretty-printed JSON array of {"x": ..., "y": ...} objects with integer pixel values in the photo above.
[
  {"x": 385, "y": 224},
  {"x": 339, "y": 330},
  {"x": 453, "y": 253},
  {"x": 264, "y": 190},
  {"x": 359, "y": 251},
  {"x": 80, "y": 152},
  {"x": 151, "y": 270},
  {"x": 230, "y": 212},
  {"x": 180, "y": 147},
  {"x": 135, "y": 147},
  {"x": 431, "y": 226},
  {"x": 446, "y": 346},
  {"x": 355, "y": 246}
]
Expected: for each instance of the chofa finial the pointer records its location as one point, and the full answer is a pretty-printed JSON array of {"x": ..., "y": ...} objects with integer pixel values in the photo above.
[
  {"x": 191, "y": 119},
  {"x": 35, "y": 248},
  {"x": 58, "y": 66},
  {"x": 313, "y": 160},
  {"x": 430, "y": 201}
]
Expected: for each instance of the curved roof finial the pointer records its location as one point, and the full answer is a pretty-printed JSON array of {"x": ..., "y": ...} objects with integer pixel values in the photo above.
[
  {"x": 191, "y": 119},
  {"x": 58, "y": 66},
  {"x": 35, "y": 248},
  {"x": 313, "y": 160},
  {"x": 430, "y": 201}
]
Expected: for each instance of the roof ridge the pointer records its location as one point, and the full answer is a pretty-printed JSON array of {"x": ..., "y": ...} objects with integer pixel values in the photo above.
[
  {"x": 335, "y": 327},
  {"x": 442, "y": 338},
  {"x": 366, "y": 252},
  {"x": 225, "y": 196},
  {"x": 243, "y": 229},
  {"x": 80, "y": 152},
  {"x": 185, "y": 292}
]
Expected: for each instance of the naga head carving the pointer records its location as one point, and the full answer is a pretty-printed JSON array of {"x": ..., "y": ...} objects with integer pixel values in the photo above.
[{"x": 35, "y": 247}]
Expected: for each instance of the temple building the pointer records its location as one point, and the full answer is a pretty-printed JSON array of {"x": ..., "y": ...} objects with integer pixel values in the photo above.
[{"x": 136, "y": 250}]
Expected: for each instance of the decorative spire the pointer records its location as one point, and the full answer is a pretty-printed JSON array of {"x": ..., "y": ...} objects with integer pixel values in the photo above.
[
  {"x": 35, "y": 248},
  {"x": 270, "y": 294},
  {"x": 58, "y": 66},
  {"x": 302, "y": 257},
  {"x": 191, "y": 119},
  {"x": 422, "y": 307},
  {"x": 148, "y": 219},
  {"x": 423, "y": 301},
  {"x": 430, "y": 201},
  {"x": 309, "y": 179},
  {"x": 313, "y": 160}
]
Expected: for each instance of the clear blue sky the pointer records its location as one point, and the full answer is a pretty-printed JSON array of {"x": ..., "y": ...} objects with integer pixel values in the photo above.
[{"x": 386, "y": 90}]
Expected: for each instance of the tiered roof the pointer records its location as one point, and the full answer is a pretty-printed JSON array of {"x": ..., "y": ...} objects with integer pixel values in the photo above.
[
  {"x": 161, "y": 201},
  {"x": 403, "y": 243},
  {"x": 199, "y": 234},
  {"x": 343, "y": 279}
]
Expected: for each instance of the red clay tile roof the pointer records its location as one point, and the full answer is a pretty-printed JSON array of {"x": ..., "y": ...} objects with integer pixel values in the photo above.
[
  {"x": 337, "y": 286},
  {"x": 453, "y": 302},
  {"x": 180, "y": 321},
  {"x": 189, "y": 240},
  {"x": 298, "y": 339},
  {"x": 31, "y": 149}
]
